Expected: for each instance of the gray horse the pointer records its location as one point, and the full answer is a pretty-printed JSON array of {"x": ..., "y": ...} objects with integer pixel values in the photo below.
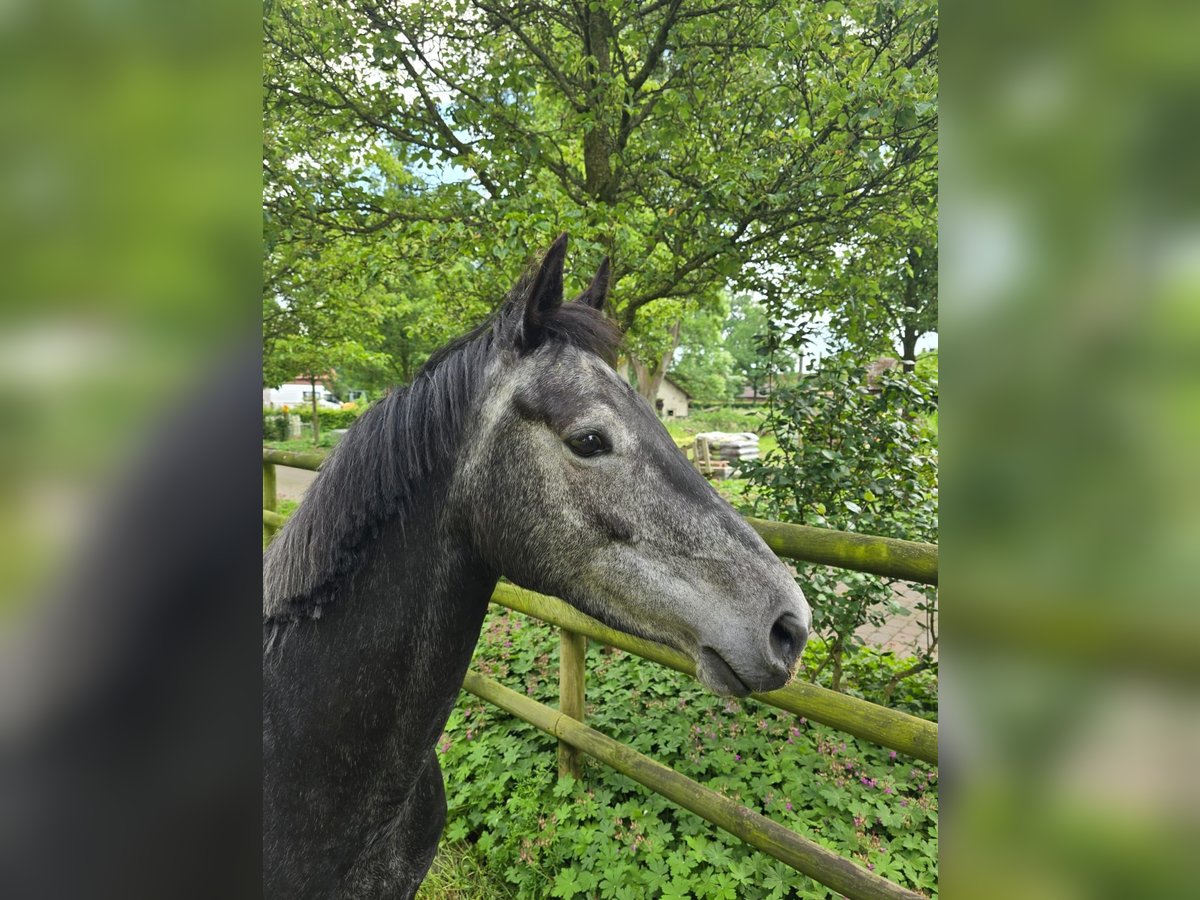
[{"x": 519, "y": 452}]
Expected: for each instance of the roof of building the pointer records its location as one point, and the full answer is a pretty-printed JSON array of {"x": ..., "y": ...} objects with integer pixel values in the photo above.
[{"x": 678, "y": 386}]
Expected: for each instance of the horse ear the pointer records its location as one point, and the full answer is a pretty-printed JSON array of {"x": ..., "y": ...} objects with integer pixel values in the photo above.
[
  {"x": 597, "y": 291},
  {"x": 546, "y": 291}
]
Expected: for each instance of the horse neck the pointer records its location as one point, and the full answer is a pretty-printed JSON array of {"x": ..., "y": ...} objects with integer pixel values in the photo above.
[{"x": 386, "y": 659}]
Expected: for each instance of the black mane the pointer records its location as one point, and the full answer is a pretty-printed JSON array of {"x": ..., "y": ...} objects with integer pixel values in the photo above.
[{"x": 411, "y": 436}]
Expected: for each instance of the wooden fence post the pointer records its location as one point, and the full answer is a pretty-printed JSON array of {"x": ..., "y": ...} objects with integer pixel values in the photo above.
[
  {"x": 269, "y": 499},
  {"x": 572, "y": 666}
]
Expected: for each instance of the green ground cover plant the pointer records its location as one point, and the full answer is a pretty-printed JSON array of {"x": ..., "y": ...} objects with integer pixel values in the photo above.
[{"x": 517, "y": 831}]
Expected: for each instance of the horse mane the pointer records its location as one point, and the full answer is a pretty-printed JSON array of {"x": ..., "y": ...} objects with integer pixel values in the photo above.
[{"x": 410, "y": 437}]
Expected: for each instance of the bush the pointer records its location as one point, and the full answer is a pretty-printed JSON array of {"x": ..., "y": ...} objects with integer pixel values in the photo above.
[
  {"x": 274, "y": 425},
  {"x": 331, "y": 418},
  {"x": 607, "y": 836},
  {"x": 856, "y": 460}
]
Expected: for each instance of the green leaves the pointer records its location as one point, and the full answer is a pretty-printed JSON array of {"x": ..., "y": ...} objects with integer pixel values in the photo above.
[
  {"x": 855, "y": 454},
  {"x": 567, "y": 883},
  {"x": 724, "y": 148},
  {"x": 605, "y": 836}
]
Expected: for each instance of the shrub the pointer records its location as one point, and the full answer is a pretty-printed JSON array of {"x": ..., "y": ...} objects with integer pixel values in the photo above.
[
  {"x": 331, "y": 418},
  {"x": 854, "y": 459},
  {"x": 274, "y": 425},
  {"x": 607, "y": 836}
]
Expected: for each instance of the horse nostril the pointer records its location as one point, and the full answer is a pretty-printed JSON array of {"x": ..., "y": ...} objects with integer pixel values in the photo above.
[{"x": 787, "y": 639}]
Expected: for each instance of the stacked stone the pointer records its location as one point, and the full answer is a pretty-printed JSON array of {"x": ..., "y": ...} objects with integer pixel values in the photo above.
[{"x": 722, "y": 445}]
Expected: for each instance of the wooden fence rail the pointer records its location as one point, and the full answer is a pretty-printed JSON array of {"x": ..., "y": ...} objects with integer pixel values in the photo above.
[
  {"x": 799, "y": 852},
  {"x": 888, "y": 557},
  {"x": 311, "y": 461},
  {"x": 869, "y": 721}
]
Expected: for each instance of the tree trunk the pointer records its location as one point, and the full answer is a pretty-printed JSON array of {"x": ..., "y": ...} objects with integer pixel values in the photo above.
[
  {"x": 650, "y": 376},
  {"x": 316, "y": 416},
  {"x": 908, "y": 349},
  {"x": 912, "y": 311},
  {"x": 599, "y": 142},
  {"x": 835, "y": 652}
]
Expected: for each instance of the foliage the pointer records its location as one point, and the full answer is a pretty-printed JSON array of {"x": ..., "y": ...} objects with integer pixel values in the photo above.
[
  {"x": 607, "y": 836},
  {"x": 274, "y": 425},
  {"x": 887, "y": 295},
  {"x": 699, "y": 146},
  {"x": 754, "y": 343},
  {"x": 879, "y": 291},
  {"x": 333, "y": 418},
  {"x": 703, "y": 366},
  {"x": 927, "y": 365},
  {"x": 275, "y": 422},
  {"x": 855, "y": 459}
]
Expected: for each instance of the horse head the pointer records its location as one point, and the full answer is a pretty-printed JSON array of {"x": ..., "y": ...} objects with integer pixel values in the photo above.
[{"x": 569, "y": 484}]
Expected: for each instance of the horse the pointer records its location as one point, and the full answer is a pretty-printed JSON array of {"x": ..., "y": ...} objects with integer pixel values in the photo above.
[{"x": 517, "y": 451}]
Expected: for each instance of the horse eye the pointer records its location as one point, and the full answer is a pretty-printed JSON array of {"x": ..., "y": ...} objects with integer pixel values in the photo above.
[{"x": 589, "y": 444}]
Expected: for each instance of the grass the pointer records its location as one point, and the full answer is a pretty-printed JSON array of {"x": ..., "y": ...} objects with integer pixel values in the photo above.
[
  {"x": 304, "y": 445},
  {"x": 457, "y": 875}
]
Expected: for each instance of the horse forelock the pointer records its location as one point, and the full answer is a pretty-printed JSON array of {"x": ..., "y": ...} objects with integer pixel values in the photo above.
[{"x": 409, "y": 439}]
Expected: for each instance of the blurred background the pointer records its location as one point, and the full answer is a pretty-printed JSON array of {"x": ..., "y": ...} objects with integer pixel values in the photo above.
[
  {"x": 130, "y": 253},
  {"x": 130, "y": 232},
  {"x": 1070, "y": 238}
]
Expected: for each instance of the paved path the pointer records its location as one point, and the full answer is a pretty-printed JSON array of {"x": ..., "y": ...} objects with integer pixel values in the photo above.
[
  {"x": 903, "y": 634},
  {"x": 290, "y": 484}
]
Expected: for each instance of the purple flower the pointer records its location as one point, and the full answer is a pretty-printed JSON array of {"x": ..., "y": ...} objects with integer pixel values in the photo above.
[
  {"x": 738, "y": 757},
  {"x": 788, "y": 805},
  {"x": 892, "y": 755}
]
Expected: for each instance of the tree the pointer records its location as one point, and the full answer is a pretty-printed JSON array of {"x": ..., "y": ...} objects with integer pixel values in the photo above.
[
  {"x": 756, "y": 345},
  {"x": 915, "y": 309},
  {"x": 882, "y": 289},
  {"x": 702, "y": 364},
  {"x": 316, "y": 316},
  {"x": 690, "y": 144}
]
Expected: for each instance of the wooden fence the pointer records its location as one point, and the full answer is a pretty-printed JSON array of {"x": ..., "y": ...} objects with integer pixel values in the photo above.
[{"x": 888, "y": 727}]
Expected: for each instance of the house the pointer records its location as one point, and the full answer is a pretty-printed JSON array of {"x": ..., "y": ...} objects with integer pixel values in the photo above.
[
  {"x": 671, "y": 402},
  {"x": 299, "y": 392},
  {"x": 749, "y": 395}
]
